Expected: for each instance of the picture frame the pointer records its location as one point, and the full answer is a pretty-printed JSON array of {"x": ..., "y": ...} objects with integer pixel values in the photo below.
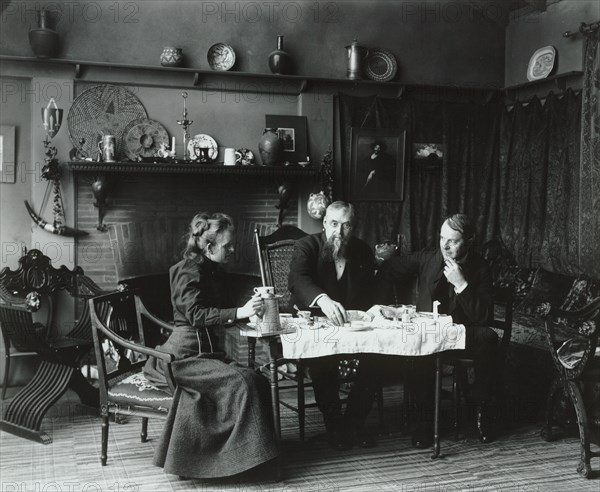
[
  {"x": 377, "y": 164},
  {"x": 292, "y": 131},
  {"x": 7, "y": 154},
  {"x": 428, "y": 155}
]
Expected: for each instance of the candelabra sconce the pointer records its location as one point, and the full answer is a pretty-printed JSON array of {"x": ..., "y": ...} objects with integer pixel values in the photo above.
[
  {"x": 100, "y": 191},
  {"x": 285, "y": 194}
]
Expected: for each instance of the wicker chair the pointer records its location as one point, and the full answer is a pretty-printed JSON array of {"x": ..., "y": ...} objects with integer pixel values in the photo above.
[{"x": 274, "y": 256}]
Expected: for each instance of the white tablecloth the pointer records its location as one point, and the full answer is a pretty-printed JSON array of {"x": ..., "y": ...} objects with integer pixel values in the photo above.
[{"x": 423, "y": 336}]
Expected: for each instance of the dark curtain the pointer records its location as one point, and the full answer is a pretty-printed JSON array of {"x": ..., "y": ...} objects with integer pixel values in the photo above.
[
  {"x": 467, "y": 180},
  {"x": 589, "y": 221},
  {"x": 540, "y": 175}
]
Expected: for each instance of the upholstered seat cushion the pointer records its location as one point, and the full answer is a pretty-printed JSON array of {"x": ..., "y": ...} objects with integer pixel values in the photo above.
[{"x": 136, "y": 390}]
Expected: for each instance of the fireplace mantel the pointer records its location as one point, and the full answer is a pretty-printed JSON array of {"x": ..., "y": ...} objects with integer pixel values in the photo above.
[{"x": 101, "y": 173}]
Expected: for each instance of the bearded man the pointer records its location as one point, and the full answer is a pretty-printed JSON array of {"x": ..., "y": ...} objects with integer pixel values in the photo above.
[{"x": 334, "y": 271}]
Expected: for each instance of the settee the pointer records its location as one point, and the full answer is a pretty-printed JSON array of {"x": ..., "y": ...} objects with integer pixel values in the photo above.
[{"x": 529, "y": 370}]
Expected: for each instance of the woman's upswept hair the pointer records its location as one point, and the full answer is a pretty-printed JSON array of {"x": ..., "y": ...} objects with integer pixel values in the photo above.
[{"x": 203, "y": 231}]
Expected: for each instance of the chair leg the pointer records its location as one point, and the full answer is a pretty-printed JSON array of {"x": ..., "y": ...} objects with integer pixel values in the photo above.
[
  {"x": 584, "y": 467},
  {"x": 104, "y": 452},
  {"x": 406, "y": 404},
  {"x": 144, "y": 434},
  {"x": 380, "y": 407},
  {"x": 456, "y": 401},
  {"x": 301, "y": 400},
  {"x": 6, "y": 371}
]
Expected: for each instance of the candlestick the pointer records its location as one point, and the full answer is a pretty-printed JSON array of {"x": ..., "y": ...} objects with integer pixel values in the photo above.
[
  {"x": 185, "y": 124},
  {"x": 435, "y": 308}
]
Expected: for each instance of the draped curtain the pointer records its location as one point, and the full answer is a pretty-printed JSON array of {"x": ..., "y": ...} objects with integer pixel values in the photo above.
[
  {"x": 467, "y": 180},
  {"x": 589, "y": 221},
  {"x": 539, "y": 163}
]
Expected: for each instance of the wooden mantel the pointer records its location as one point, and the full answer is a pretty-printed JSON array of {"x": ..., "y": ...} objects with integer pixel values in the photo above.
[{"x": 101, "y": 172}]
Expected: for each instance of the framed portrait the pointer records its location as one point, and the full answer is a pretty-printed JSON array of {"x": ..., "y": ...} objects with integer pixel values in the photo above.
[
  {"x": 377, "y": 164},
  {"x": 7, "y": 154},
  {"x": 292, "y": 131}
]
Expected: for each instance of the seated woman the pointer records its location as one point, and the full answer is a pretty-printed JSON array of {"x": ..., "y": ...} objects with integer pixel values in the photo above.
[{"x": 220, "y": 421}]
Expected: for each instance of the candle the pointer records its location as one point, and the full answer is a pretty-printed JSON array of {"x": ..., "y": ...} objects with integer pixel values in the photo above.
[
  {"x": 435, "y": 308},
  {"x": 173, "y": 143}
]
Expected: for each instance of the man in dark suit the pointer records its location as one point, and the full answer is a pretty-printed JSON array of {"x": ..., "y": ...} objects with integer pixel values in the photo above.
[
  {"x": 334, "y": 271},
  {"x": 460, "y": 279}
]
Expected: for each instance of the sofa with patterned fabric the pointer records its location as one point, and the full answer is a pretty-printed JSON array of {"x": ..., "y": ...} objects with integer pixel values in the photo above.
[{"x": 529, "y": 369}]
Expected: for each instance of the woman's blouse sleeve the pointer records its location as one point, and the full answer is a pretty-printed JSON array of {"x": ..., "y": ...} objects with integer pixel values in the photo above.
[{"x": 195, "y": 298}]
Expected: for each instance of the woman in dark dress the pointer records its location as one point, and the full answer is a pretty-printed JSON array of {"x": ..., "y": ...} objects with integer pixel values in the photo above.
[{"x": 220, "y": 421}]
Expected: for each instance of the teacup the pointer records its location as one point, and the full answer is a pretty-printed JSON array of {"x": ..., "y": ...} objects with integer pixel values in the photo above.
[
  {"x": 265, "y": 291},
  {"x": 304, "y": 315}
]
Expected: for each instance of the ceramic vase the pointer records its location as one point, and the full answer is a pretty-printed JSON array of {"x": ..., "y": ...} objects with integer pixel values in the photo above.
[
  {"x": 171, "y": 57},
  {"x": 317, "y": 205},
  {"x": 43, "y": 39},
  {"x": 270, "y": 148},
  {"x": 280, "y": 61}
]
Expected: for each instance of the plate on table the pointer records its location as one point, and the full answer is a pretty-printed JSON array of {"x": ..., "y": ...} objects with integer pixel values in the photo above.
[
  {"x": 541, "y": 63},
  {"x": 201, "y": 141},
  {"x": 357, "y": 326},
  {"x": 355, "y": 315},
  {"x": 381, "y": 65},
  {"x": 221, "y": 56}
]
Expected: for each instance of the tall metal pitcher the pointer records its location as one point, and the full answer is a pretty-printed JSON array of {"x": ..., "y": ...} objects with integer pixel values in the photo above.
[{"x": 356, "y": 58}]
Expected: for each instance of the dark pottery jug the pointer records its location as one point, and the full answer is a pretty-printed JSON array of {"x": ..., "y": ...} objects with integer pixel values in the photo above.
[
  {"x": 280, "y": 62},
  {"x": 43, "y": 40},
  {"x": 270, "y": 148}
]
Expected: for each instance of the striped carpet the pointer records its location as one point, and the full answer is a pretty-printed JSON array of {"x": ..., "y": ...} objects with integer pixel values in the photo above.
[{"x": 518, "y": 461}]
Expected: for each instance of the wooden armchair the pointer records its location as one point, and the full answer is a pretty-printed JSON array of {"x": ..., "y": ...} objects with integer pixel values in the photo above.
[
  {"x": 573, "y": 341},
  {"x": 124, "y": 390},
  {"x": 22, "y": 292}
]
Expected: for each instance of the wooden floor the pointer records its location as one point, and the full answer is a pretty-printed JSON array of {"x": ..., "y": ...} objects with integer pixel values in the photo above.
[{"x": 518, "y": 461}]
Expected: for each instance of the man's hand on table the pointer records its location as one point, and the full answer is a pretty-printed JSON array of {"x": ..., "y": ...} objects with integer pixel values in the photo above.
[{"x": 334, "y": 311}]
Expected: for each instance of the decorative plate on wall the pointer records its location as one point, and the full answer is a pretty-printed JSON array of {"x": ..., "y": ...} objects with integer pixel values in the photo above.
[
  {"x": 102, "y": 110},
  {"x": 143, "y": 138},
  {"x": 199, "y": 142},
  {"x": 541, "y": 63},
  {"x": 221, "y": 56},
  {"x": 381, "y": 65}
]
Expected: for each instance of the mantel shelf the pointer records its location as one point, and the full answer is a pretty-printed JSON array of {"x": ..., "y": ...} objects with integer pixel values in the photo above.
[
  {"x": 190, "y": 168},
  {"x": 102, "y": 171}
]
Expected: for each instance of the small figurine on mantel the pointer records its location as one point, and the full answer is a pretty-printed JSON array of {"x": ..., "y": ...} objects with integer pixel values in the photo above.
[
  {"x": 164, "y": 153},
  {"x": 77, "y": 153}
]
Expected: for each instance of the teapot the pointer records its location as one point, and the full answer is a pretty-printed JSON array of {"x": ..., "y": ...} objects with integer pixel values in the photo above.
[
  {"x": 317, "y": 204},
  {"x": 356, "y": 57},
  {"x": 269, "y": 321}
]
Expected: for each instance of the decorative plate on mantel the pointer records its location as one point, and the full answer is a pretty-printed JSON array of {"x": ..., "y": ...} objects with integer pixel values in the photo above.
[
  {"x": 541, "y": 63},
  {"x": 102, "y": 110},
  {"x": 143, "y": 137},
  {"x": 200, "y": 142}
]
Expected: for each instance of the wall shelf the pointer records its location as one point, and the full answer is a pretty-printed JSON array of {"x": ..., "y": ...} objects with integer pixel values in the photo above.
[
  {"x": 193, "y": 78},
  {"x": 102, "y": 172},
  {"x": 560, "y": 81}
]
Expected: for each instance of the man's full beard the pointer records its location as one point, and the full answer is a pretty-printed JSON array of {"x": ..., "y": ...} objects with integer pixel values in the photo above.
[{"x": 335, "y": 248}]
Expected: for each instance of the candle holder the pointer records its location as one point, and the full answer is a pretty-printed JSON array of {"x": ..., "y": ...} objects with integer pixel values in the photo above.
[{"x": 185, "y": 124}]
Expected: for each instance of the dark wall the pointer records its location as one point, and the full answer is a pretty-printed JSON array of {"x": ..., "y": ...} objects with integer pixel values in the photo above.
[
  {"x": 445, "y": 42},
  {"x": 528, "y": 33}
]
